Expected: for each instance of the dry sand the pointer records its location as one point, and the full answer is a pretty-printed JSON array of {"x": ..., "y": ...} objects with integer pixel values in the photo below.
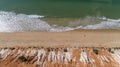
[{"x": 82, "y": 38}]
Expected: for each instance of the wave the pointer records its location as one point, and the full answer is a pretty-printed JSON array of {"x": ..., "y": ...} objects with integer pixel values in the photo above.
[
  {"x": 108, "y": 24},
  {"x": 13, "y": 22},
  {"x": 35, "y": 16}
]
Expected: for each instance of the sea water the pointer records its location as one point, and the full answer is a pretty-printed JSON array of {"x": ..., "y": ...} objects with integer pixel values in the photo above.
[{"x": 58, "y": 15}]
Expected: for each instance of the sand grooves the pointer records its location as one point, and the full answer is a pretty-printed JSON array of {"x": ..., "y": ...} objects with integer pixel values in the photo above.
[{"x": 60, "y": 57}]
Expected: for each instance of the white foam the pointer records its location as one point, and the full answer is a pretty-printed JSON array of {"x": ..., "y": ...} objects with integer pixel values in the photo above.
[
  {"x": 109, "y": 24},
  {"x": 12, "y": 22},
  {"x": 61, "y": 29},
  {"x": 35, "y": 16}
]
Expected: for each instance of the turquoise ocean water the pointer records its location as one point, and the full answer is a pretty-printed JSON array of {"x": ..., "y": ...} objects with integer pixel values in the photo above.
[{"x": 59, "y": 15}]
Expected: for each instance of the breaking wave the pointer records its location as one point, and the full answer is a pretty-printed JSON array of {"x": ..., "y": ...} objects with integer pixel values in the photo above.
[
  {"x": 12, "y": 22},
  {"x": 109, "y": 24}
]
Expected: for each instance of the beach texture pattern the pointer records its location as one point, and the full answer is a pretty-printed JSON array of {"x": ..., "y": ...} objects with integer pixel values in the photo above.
[{"x": 60, "y": 57}]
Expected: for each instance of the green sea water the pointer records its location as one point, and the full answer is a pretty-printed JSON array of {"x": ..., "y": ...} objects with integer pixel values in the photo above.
[
  {"x": 64, "y": 8},
  {"x": 65, "y": 12}
]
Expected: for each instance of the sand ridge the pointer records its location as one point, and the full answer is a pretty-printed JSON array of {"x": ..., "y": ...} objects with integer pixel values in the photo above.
[{"x": 59, "y": 57}]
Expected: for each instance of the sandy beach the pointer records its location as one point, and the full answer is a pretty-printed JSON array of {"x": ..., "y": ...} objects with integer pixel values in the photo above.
[
  {"x": 81, "y": 38},
  {"x": 86, "y": 48}
]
